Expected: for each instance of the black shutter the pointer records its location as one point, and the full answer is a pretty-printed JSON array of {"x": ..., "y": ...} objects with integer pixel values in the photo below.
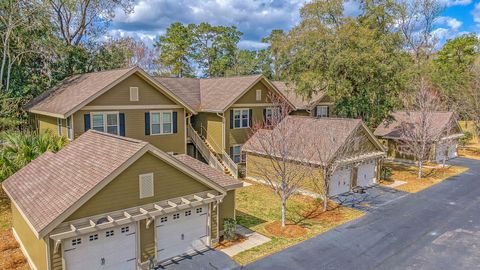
[
  {"x": 328, "y": 111},
  {"x": 147, "y": 123},
  {"x": 264, "y": 115},
  {"x": 121, "y": 117},
  {"x": 174, "y": 119},
  {"x": 86, "y": 120},
  {"x": 231, "y": 152},
  {"x": 231, "y": 119},
  {"x": 315, "y": 111},
  {"x": 250, "y": 116}
]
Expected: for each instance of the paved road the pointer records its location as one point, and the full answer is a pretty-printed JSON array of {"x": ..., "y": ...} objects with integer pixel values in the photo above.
[{"x": 436, "y": 229}]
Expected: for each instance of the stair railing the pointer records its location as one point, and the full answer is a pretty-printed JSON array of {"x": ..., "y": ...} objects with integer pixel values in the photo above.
[{"x": 203, "y": 149}]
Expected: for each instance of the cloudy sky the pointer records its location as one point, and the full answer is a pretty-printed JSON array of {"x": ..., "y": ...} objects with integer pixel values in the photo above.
[{"x": 256, "y": 18}]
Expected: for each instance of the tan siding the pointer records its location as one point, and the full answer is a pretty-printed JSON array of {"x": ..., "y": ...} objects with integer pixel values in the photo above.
[
  {"x": 227, "y": 208},
  {"x": 240, "y": 135},
  {"x": 123, "y": 191},
  {"x": 120, "y": 94},
  {"x": 36, "y": 248},
  {"x": 250, "y": 96},
  {"x": 135, "y": 128},
  {"x": 147, "y": 241},
  {"x": 211, "y": 124},
  {"x": 301, "y": 113},
  {"x": 48, "y": 123}
]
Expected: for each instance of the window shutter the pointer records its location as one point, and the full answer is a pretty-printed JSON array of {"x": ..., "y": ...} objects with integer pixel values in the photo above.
[
  {"x": 121, "y": 117},
  {"x": 328, "y": 111},
  {"x": 265, "y": 115},
  {"x": 146, "y": 185},
  {"x": 315, "y": 111},
  {"x": 147, "y": 123},
  {"x": 174, "y": 120},
  {"x": 250, "y": 114},
  {"x": 86, "y": 120},
  {"x": 231, "y": 152},
  {"x": 231, "y": 119}
]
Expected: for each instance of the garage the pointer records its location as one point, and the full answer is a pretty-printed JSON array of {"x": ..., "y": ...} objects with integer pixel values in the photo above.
[
  {"x": 181, "y": 232},
  {"x": 340, "y": 181},
  {"x": 452, "y": 151},
  {"x": 113, "y": 248},
  {"x": 366, "y": 173}
]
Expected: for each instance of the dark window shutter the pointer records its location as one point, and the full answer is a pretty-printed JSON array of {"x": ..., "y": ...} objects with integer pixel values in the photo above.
[
  {"x": 264, "y": 115},
  {"x": 328, "y": 111},
  {"x": 147, "y": 123},
  {"x": 250, "y": 116},
  {"x": 315, "y": 111},
  {"x": 121, "y": 117},
  {"x": 86, "y": 120},
  {"x": 231, "y": 119},
  {"x": 174, "y": 119},
  {"x": 231, "y": 152}
]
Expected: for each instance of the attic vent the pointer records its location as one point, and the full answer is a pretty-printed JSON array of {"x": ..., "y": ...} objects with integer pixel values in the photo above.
[
  {"x": 258, "y": 95},
  {"x": 133, "y": 93},
  {"x": 146, "y": 185}
]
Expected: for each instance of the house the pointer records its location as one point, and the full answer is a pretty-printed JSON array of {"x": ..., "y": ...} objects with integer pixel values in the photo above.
[
  {"x": 111, "y": 202},
  {"x": 226, "y": 109},
  {"x": 444, "y": 133},
  {"x": 346, "y": 145},
  {"x": 318, "y": 105},
  {"x": 126, "y": 102}
]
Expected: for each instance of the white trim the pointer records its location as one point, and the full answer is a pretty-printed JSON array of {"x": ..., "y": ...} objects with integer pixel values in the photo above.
[
  {"x": 131, "y": 107},
  {"x": 105, "y": 121},
  {"x": 59, "y": 126},
  {"x": 241, "y": 110},
  {"x": 240, "y": 105},
  {"x": 134, "y": 93},
  {"x": 71, "y": 127},
  {"x": 161, "y": 122},
  {"x": 24, "y": 251},
  {"x": 325, "y": 103},
  {"x": 56, "y": 115}
]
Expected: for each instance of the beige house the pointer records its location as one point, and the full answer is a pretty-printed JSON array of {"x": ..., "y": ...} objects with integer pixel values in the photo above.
[
  {"x": 345, "y": 145},
  {"x": 110, "y": 202},
  {"x": 443, "y": 130}
]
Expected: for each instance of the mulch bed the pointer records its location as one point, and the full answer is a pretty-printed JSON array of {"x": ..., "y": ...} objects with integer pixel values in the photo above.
[
  {"x": 222, "y": 244},
  {"x": 11, "y": 257},
  {"x": 289, "y": 231}
]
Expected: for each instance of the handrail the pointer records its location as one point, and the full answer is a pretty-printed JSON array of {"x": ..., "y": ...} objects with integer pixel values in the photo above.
[
  {"x": 226, "y": 159},
  {"x": 203, "y": 148}
]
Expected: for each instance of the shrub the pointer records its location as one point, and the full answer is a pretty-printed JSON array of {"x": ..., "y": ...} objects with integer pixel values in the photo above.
[
  {"x": 229, "y": 229},
  {"x": 386, "y": 173},
  {"x": 467, "y": 137}
]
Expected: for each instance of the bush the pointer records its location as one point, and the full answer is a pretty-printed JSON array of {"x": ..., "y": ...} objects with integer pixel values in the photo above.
[
  {"x": 467, "y": 138},
  {"x": 229, "y": 229},
  {"x": 386, "y": 173}
]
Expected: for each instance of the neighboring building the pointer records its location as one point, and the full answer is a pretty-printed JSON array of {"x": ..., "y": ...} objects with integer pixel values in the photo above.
[
  {"x": 127, "y": 102},
  {"x": 106, "y": 201},
  {"x": 347, "y": 142},
  {"x": 319, "y": 105},
  {"x": 226, "y": 110},
  {"x": 444, "y": 131}
]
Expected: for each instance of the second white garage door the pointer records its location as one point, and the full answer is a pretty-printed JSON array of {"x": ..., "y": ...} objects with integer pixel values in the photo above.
[
  {"x": 366, "y": 174},
  {"x": 340, "y": 181},
  {"x": 181, "y": 232}
]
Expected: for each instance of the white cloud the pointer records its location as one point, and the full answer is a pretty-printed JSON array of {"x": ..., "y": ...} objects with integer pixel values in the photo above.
[
  {"x": 451, "y": 3},
  {"x": 476, "y": 13},
  {"x": 452, "y": 23}
]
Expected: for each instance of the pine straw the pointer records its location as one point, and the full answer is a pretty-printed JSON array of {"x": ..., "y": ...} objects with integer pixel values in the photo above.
[
  {"x": 431, "y": 176},
  {"x": 470, "y": 151},
  {"x": 289, "y": 231}
]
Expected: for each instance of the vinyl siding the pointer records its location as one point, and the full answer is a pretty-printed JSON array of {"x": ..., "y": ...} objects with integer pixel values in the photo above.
[
  {"x": 36, "y": 248},
  {"x": 123, "y": 191},
  {"x": 211, "y": 124},
  {"x": 250, "y": 96},
  {"x": 48, "y": 123},
  {"x": 227, "y": 208},
  {"x": 135, "y": 128}
]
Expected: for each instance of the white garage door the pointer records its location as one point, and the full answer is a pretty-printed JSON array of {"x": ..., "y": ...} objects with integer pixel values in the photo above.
[
  {"x": 440, "y": 153},
  {"x": 341, "y": 181},
  {"x": 181, "y": 232},
  {"x": 366, "y": 174},
  {"x": 452, "y": 151},
  {"x": 110, "y": 249}
]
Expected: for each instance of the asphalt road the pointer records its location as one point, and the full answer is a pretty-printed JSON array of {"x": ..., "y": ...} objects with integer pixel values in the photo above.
[{"x": 438, "y": 228}]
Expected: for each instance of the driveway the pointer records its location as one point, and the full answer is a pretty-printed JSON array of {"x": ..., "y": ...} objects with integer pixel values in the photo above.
[
  {"x": 438, "y": 228},
  {"x": 370, "y": 198},
  {"x": 210, "y": 259}
]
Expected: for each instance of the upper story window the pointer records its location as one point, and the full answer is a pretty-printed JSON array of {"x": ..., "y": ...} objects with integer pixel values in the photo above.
[
  {"x": 241, "y": 118},
  {"x": 161, "y": 122},
  {"x": 322, "y": 111},
  {"x": 134, "y": 94},
  {"x": 59, "y": 126},
  {"x": 271, "y": 114},
  {"x": 258, "y": 95},
  {"x": 106, "y": 122},
  {"x": 236, "y": 153},
  {"x": 69, "y": 128}
]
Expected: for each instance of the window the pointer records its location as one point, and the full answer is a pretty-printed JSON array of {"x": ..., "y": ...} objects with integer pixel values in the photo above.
[
  {"x": 125, "y": 229},
  {"x": 133, "y": 93},
  {"x": 241, "y": 118},
  {"x": 258, "y": 95},
  {"x": 69, "y": 128},
  {"x": 93, "y": 237},
  {"x": 105, "y": 122},
  {"x": 199, "y": 210},
  {"x": 237, "y": 153},
  {"x": 163, "y": 219},
  {"x": 109, "y": 233},
  {"x": 76, "y": 241},
  {"x": 146, "y": 185},
  {"x": 176, "y": 216},
  {"x": 188, "y": 213},
  {"x": 271, "y": 114},
  {"x": 322, "y": 111},
  {"x": 161, "y": 123},
  {"x": 59, "y": 126}
]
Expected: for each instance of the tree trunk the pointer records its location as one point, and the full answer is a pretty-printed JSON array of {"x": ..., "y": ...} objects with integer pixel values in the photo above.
[
  {"x": 420, "y": 166},
  {"x": 325, "y": 202},
  {"x": 284, "y": 211}
]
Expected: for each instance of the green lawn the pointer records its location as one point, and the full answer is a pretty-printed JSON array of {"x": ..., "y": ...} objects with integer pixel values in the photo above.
[{"x": 258, "y": 206}]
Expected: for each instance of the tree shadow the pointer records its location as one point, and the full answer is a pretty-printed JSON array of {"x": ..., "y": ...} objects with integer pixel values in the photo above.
[{"x": 247, "y": 220}]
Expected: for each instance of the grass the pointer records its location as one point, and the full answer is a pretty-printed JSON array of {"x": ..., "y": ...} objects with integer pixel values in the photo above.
[
  {"x": 11, "y": 256},
  {"x": 431, "y": 176},
  {"x": 258, "y": 207},
  {"x": 470, "y": 151}
]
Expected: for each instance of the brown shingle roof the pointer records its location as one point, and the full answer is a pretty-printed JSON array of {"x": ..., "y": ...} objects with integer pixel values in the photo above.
[
  {"x": 300, "y": 102},
  {"x": 392, "y": 126},
  {"x": 51, "y": 184},
  {"x": 74, "y": 90},
  {"x": 326, "y": 134}
]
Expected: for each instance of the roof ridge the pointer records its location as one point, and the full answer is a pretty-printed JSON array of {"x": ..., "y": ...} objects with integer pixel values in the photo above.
[
  {"x": 325, "y": 118},
  {"x": 231, "y": 77}
]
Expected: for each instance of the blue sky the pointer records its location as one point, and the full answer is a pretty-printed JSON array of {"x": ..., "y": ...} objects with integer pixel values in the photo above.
[{"x": 257, "y": 18}]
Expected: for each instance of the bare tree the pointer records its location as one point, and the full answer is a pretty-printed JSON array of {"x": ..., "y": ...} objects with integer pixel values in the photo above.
[
  {"x": 287, "y": 158},
  {"x": 418, "y": 133}
]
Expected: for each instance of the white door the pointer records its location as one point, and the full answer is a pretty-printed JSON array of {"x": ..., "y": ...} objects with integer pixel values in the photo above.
[
  {"x": 440, "y": 153},
  {"x": 366, "y": 174},
  {"x": 452, "y": 151},
  {"x": 110, "y": 249},
  {"x": 181, "y": 232},
  {"x": 340, "y": 181}
]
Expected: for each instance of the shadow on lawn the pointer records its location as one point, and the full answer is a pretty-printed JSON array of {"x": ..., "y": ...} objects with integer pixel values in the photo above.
[{"x": 247, "y": 220}]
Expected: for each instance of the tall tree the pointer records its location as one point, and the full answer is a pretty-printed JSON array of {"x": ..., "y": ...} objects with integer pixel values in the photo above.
[
  {"x": 245, "y": 62},
  {"x": 272, "y": 58}
]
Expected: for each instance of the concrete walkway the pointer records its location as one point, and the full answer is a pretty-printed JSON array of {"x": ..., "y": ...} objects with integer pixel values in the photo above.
[{"x": 253, "y": 239}]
